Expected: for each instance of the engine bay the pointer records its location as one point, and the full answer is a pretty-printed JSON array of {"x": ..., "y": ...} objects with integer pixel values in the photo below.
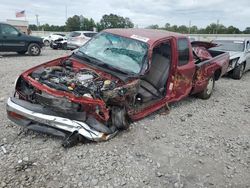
[{"x": 82, "y": 82}]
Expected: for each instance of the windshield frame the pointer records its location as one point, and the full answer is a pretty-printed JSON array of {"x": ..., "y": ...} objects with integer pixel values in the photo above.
[
  {"x": 129, "y": 74},
  {"x": 221, "y": 43}
]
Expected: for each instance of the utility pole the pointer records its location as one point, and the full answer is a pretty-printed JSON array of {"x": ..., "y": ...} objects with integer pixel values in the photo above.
[
  {"x": 37, "y": 22},
  {"x": 66, "y": 12},
  {"x": 217, "y": 26}
]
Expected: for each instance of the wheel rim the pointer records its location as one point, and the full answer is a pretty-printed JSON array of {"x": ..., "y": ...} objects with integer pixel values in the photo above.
[
  {"x": 34, "y": 50},
  {"x": 210, "y": 86}
]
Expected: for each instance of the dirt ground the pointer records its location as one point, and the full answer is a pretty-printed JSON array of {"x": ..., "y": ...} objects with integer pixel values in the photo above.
[{"x": 201, "y": 143}]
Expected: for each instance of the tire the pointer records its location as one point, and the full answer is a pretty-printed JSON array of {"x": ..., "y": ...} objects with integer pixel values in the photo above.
[
  {"x": 34, "y": 49},
  {"x": 64, "y": 46},
  {"x": 22, "y": 52},
  {"x": 207, "y": 92},
  {"x": 46, "y": 43},
  {"x": 119, "y": 118},
  {"x": 238, "y": 72}
]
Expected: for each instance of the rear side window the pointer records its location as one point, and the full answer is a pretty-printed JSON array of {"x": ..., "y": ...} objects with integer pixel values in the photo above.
[
  {"x": 90, "y": 35},
  {"x": 183, "y": 51},
  {"x": 9, "y": 30},
  {"x": 74, "y": 34},
  {"x": 62, "y": 35}
]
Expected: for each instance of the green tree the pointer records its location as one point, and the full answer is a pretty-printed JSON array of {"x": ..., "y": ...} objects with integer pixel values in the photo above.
[
  {"x": 87, "y": 24},
  {"x": 153, "y": 27},
  {"x": 167, "y": 26},
  {"x": 247, "y": 30},
  {"x": 99, "y": 27},
  {"x": 183, "y": 29},
  {"x": 114, "y": 21},
  {"x": 194, "y": 29},
  {"x": 128, "y": 23},
  {"x": 232, "y": 30},
  {"x": 174, "y": 28},
  {"x": 212, "y": 28},
  {"x": 33, "y": 27},
  {"x": 45, "y": 27},
  {"x": 73, "y": 23}
]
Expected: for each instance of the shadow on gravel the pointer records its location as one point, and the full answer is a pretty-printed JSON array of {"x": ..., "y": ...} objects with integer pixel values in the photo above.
[{"x": 12, "y": 55}]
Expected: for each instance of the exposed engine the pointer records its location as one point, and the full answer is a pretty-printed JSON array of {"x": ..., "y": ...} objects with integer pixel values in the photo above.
[
  {"x": 80, "y": 82},
  {"x": 68, "y": 76}
]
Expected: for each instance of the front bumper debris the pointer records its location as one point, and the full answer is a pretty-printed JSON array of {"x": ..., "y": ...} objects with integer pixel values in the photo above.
[{"x": 35, "y": 120}]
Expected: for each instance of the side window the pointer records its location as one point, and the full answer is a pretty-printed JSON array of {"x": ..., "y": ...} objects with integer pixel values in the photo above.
[
  {"x": 75, "y": 34},
  {"x": 90, "y": 35},
  {"x": 183, "y": 51},
  {"x": 9, "y": 30}
]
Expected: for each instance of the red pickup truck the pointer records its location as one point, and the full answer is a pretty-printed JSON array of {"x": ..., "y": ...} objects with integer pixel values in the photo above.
[{"x": 119, "y": 76}]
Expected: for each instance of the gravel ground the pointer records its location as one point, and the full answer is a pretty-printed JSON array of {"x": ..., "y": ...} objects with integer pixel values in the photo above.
[{"x": 201, "y": 143}]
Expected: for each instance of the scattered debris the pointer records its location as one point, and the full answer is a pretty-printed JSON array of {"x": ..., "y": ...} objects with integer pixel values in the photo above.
[
  {"x": 23, "y": 165},
  {"x": 183, "y": 118},
  {"x": 2, "y": 99},
  {"x": 4, "y": 150}
]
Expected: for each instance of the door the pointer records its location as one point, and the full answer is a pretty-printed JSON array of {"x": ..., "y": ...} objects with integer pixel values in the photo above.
[
  {"x": 247, "y": 55},
  {"x": 185, "y": 69},
  {"x": 12, "y": 39}
]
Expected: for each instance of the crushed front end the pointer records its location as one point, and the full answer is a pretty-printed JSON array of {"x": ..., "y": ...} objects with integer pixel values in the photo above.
[{"x": 70, "y": 99}]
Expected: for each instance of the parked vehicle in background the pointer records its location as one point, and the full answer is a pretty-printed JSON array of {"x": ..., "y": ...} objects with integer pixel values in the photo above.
[
  {"x": 239, "y": 51},
  {"x": 119, "y": 76},
  {"x": 12, "y": 40},
  {"x": 191, "y": 38},
  {"x": 59, "y": 44},
  {"x": 55, "y": 36},
  {"x": 79, "y": 38}
]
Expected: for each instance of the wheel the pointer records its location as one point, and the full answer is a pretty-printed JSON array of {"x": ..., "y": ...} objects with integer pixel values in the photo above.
[
  {"x": 119, "y": 118},
  {"x": 207, "y": 92},
  {"x": 46, "y": 43},
  {"x": 238, "y": 72},
  {"x": 22, "y": 52},
  {"x": 64, "y": 46},
  {"x": 34, "y": 49}
]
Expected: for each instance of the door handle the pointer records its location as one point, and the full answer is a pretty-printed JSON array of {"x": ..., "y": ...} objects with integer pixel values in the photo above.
[{"x": 4, "y": 37}]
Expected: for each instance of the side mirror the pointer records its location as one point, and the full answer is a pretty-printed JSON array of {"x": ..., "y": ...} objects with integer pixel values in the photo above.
[{"x": 19, "y": 34}]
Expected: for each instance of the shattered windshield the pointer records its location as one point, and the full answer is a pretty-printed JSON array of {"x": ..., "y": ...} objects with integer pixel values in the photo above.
[
  {"x": 229, "y": 45},
  {"x": 118, "y": 52}
]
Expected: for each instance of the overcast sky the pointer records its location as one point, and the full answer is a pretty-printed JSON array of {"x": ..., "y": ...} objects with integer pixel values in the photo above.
[{"x": 142, "y": 13}]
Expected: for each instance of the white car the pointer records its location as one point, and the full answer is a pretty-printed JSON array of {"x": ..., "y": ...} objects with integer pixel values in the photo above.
[
  {"x": 55, "y": 36},
  {"x": 79, "y": 38},
  {"x": 239, "y": 51}
]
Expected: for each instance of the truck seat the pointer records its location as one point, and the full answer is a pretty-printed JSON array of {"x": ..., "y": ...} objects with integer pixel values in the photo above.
[{"x": 153, "y": 84}]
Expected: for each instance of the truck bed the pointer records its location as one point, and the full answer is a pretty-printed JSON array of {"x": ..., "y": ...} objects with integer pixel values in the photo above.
[{"x": 216, "y": 66}]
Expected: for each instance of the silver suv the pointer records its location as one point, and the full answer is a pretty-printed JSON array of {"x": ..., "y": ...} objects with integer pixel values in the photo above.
[{"x": 79, "y": 38}]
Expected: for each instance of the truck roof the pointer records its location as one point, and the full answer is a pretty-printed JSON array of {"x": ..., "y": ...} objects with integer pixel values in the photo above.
[{"x": 149, "y": 36}]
